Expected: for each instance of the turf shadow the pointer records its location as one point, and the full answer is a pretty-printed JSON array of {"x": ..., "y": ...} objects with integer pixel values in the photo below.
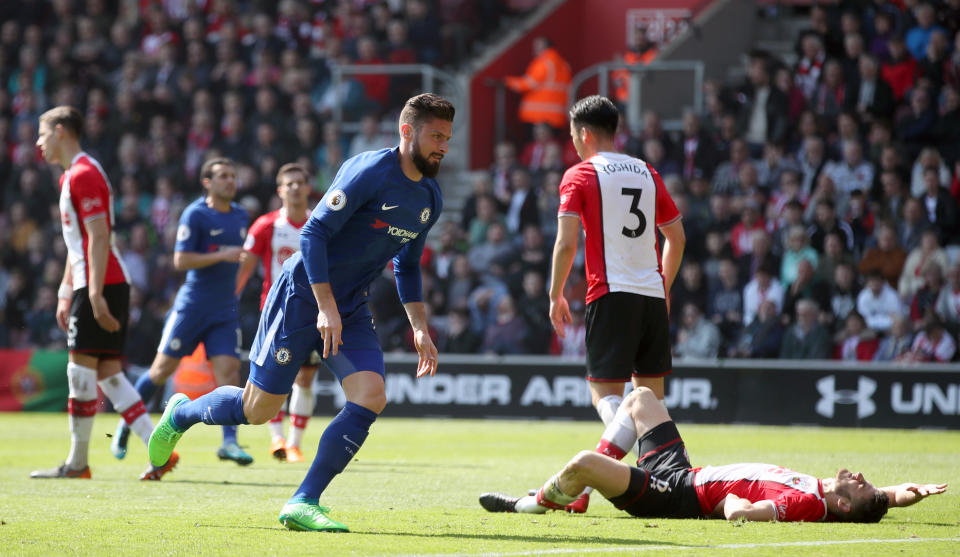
[
  {"x": 238, "y": 484},
  {"x": 536, "y": 539}
]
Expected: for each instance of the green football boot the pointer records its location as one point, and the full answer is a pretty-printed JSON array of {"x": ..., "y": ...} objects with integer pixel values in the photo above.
[
  {"x": 165, "y": 436},
  {"x": 308, "y": 517}
]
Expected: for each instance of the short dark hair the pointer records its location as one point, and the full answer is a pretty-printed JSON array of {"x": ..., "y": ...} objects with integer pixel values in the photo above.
[
  {"x": 426, "y": 105},
  {"x": 206, "y": 171},
  {"x": 292, "y": 167},
  {"x": 596, "y": 112},
  {"x": 67, "y": 116},
  {"x": 869, "y": 511}
]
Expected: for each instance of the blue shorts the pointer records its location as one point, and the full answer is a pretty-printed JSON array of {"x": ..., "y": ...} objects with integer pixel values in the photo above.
[
  {"x": 184, "y": 329},
  {"x": 287, "y": 334}
]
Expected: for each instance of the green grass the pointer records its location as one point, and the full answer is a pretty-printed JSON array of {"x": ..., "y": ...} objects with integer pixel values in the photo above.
[{"x": 414, "y": 490}]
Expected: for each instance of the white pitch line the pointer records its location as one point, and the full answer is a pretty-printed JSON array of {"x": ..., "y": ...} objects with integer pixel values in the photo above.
[{"x": 639, "y": 548}]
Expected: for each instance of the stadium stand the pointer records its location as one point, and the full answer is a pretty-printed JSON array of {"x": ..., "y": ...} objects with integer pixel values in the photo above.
[{"x": 848, "y": 136}]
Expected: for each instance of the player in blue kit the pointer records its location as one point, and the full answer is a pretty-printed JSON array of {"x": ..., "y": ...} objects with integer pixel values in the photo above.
[
  {"x": 209, "y": 239},
  {"x": 380, "y": 207}
]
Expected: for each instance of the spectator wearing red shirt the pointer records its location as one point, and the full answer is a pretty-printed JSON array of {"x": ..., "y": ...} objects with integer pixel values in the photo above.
[
  {"x": 901, "y": 70},
  {"x": 533, "y": 153},
  {"x": 376, "y": 86},
  {"x": 855, "y": 342},
  {"x": 741, "y": 237}
]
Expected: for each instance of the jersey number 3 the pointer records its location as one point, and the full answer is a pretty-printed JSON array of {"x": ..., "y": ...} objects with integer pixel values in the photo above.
[{"x": 635, "y": 209}]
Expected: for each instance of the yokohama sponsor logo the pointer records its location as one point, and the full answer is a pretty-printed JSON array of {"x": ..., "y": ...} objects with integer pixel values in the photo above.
[{"x": 402, "y": 233}]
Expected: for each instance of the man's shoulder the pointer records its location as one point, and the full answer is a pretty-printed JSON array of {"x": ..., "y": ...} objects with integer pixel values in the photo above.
[
  {"x": 86, "y": 168},
  {"x": 371, "y": 161},
  {"x": 266, "y": 219},
  {"x": 580, "y": 170},
  {"x": 237, "y": 211}
]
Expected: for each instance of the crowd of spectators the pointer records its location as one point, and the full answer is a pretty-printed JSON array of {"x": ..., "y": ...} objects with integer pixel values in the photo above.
[
  {"x": 820, "y": 198},
  {"x": 164, "y": 84}
]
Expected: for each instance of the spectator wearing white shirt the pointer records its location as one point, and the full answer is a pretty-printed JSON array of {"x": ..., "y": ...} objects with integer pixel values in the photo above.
[
  {"x": 932, "y": 344},
  {"x": 878, "y": 303},
  {"x": 762, "y": 287},
  {"x": 852, "y": 173},
  {"x": 370, "y": 137},
  {"x": 929, "y": 252},
  {"x": 948, "y": 302},
  {"x": 697, "y": 338}
]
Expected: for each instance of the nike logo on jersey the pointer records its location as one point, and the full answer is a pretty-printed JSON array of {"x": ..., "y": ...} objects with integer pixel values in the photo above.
[
  {"x": 386, "y": 207},
  {"x": 216, "y": 232}
]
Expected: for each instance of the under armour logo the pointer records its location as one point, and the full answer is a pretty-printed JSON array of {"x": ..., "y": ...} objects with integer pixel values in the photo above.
[{"x": 830, "y": 396}]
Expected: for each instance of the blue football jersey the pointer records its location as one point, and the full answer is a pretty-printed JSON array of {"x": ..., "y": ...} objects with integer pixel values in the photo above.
[
  {"x": 371, "y": 213},
  {"x": 206, "y": 230}
]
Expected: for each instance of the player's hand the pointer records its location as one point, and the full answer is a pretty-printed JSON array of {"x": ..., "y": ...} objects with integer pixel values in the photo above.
[
  {"x": 427, "y": 351},
  {"x": 925, "y": 490},
  {"x": 560, "y": 314},
  {"x": 101, "y": 312},
  {"x": 63, "y": 312},
  {"x": 231, "y": 255},
  {"x": 330, "y": 327}
]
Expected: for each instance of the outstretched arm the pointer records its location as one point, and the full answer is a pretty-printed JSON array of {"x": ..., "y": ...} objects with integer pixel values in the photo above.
[{"x": 906, "y": 494}]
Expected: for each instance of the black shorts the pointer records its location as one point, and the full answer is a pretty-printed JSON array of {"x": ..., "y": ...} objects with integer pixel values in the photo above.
[
  {"x": 84, "y": 334},
  {"x": 627, "y": 334},
  {"x": 661, "y": 486}
]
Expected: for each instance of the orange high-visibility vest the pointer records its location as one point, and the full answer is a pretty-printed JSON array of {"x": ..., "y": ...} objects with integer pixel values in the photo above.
[
  {"x": 544, "y": 88},
  {"x": 621, "y": 77}
]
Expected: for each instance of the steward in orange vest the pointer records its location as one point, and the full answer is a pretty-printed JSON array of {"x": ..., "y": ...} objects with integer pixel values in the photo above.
[{"x": 544, "y": 86}]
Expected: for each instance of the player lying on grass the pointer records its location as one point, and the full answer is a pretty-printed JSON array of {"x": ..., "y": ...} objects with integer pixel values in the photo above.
[{"x": 664, "y": 485}]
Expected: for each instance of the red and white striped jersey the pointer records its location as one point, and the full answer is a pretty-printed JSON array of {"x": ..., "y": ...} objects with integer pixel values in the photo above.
[
  {"x": 796, "y": 497},
  {"x": 273, "y": 238},
  {"x": 620, "y": 201},
  {"x": 85, "y": 195}
]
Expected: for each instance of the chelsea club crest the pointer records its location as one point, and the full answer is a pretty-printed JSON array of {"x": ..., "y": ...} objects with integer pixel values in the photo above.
[
  {"x": 425, "y": 215},
  {"x": 282, "y": 356}
]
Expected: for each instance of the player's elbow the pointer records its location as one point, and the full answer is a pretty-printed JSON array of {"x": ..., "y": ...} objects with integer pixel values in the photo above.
[
  {"x": 178, "y": 261},
  {"x": 565, "y": 246}
]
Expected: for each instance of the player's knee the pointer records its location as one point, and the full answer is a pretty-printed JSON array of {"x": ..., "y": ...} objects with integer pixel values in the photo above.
[
  {"x": 373, "y": 401},
  {"x": 258, "y": 415},
  {"x": 639, "y": 398},
  {"x": 581, "y": 463}
]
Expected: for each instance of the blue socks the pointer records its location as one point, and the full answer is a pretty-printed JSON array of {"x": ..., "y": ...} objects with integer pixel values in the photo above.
[
  {"x": 146, "y": 387},
  {"x": 221, "y": 406},
  {"x": 338, "y": 445},
  {"x": 230, "y": 432}
]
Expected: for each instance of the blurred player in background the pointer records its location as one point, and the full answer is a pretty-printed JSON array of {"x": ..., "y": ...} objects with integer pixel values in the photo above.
[
  {"x": 94, "y": 296},
  {"x": 621, "y": 202},
  {"x": 272, "y": 239},
  {"x": 380, "y": 207},
  {"x": 665, "y": 485},
  {"x": 209, "y": 239}
]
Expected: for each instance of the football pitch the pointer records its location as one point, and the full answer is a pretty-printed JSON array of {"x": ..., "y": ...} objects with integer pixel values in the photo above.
[{"x": 413, "y": 491}]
